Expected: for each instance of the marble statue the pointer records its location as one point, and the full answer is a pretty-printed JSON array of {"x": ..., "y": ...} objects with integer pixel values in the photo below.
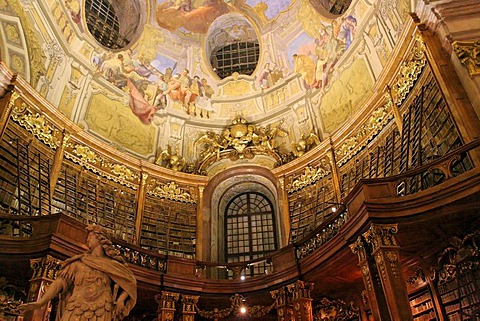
[{"x": 94, "y": 286}]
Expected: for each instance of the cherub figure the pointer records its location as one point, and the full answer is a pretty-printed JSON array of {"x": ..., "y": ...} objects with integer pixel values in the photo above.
[{"x": 171, "y": 159}]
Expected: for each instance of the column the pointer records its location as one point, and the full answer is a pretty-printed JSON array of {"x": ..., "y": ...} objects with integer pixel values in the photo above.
[
  {"x": 301, "y": 300},
  {"x": 7, "y": 103},
  {"x": 283, "y": 304},
  {"x": 188, "y": 307},
  {"x": 379, "y": 261},
  {"x": 371, "y": 280},
  {"x": 44, "y": 272},
  {"x": 284, "y": 213},
  {"x": 199, "y": 234},
  {"x": 385, "y": 250},
  {"x": 166, "y": 305},
  {"x": 57, "y": 163},
  {"x": 140, "y": 207}
]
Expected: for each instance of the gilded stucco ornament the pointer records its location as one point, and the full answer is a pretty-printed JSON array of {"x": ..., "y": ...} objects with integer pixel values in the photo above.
[
  {"x": 240, "y": 140},
  {"x": 170, "y": 191},
  {"x": 304, "y": 144},
  {"x": 35, "y": 123},
  {"x": 122, "y": 172},
  {"x": 85, "y": 154},
  {"x": 409, "y": 71},
  {"x": 309, "y": 176},
  {"x": 88, "y": 159},
  {"x": 469, "y": 55},
  {"x": 35, "y": 53},
  {"x": 171, "y": 159},
  {"x": 377, "y": 121}
]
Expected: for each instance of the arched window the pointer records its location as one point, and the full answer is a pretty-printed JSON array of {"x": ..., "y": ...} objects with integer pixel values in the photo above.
[
  {"x": 250, "y": 230},
  {"x": 241, "y": 57},
  {"x": 335, "y": 7},
  {"x": 102, "y": 22}
]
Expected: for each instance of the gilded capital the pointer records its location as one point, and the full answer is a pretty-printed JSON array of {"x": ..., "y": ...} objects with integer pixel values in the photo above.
[
  {"x": 300, "y": 289},
  {"x": 46, "y": 267},
  {"x": 189, "y": 302},
  {"x": 280, "y": 296},
  {"x": 166, "y": 300},
  {"x": 381, "y": 235},
  {"x": 359, "y": 248},
  {"x": 468, "y": 52}
]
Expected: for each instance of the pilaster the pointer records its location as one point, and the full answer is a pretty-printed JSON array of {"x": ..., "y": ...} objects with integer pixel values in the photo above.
[
  {"x": 45, "y": 270},
  {"x": 301, "y": 300},
  {"x": 371, "y": 281},
  {"x": 166, "y": 305},
  {"x": 188, "y": 307},
  {"x": 57, "y": 163},
  {"x": 283, "y": 304},
  {"x": 379, "y": 261},
  {"x": 140, "y": 206}
]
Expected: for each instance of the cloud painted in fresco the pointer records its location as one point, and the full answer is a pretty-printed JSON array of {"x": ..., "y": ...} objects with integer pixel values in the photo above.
[
  {"x": 161, "y": 63},
  {"x": 302, "y": 45},
  {"x": 274, "y": 6}
]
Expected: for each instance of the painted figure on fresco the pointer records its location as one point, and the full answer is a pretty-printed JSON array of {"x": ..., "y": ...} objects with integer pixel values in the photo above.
[
  {"x": 328, "y": 49},
  {"x": 347, "y": 30},
  {"x": 305, "y": 66},
  {"x": 172, "y": 15},
  {"x": 96, "y": 285}
]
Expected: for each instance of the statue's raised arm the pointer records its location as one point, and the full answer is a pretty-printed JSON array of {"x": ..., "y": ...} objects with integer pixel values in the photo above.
[{"x": 96, "y": 285}]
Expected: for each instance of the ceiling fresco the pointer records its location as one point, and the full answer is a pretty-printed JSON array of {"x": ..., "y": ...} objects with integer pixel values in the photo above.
[{"x": 306, "y": 70}]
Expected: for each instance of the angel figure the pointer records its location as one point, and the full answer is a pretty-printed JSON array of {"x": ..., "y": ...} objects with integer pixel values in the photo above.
[
  {"x": 171, "y": 159},
  {"x": 306, "y": 143},
  {"x": 213, "y": 143},
  {"x": 272, "y": 132}
]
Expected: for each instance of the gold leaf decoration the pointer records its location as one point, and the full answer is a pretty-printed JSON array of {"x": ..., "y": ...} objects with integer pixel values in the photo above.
[
  {"x": 469, "y": 55},
  {"x": 309, "y": 176},
  {"x": 170, "y": 191},
  {"x": 35, "y": 123}
]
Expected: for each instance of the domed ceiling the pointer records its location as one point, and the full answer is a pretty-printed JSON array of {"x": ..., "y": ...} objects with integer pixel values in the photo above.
[{"x": 198, "y": 85}]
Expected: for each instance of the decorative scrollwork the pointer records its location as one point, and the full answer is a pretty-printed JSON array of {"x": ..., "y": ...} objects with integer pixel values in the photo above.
[
  {"x": 335, "y": 310},
  {"x": 309, "y": 176},
  {"x": 237, "y": 302},
  {"x": 469, "y": 55},
  {"x": 460, "y": 256},
  {"x": 170, "y": 191},
  {"x": 321, "y": 237},
  {"x": 35, "y": 123}
]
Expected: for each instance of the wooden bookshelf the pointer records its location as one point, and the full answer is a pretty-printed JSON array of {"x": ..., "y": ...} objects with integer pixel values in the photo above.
[
  {"x": 169, "y": 227},
  {"x": 422, "y": 305}
]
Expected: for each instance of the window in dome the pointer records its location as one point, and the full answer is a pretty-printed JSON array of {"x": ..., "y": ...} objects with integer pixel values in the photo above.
[
  {"x": 336, "y": 7},
  {"x": 241, "y": 57},
  {"x": 250, "y": 230},
  {"x": 102, "y": 22}
]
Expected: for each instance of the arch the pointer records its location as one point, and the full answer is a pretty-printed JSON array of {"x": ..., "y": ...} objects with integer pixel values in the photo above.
[{"x": 222, "y": 188}]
